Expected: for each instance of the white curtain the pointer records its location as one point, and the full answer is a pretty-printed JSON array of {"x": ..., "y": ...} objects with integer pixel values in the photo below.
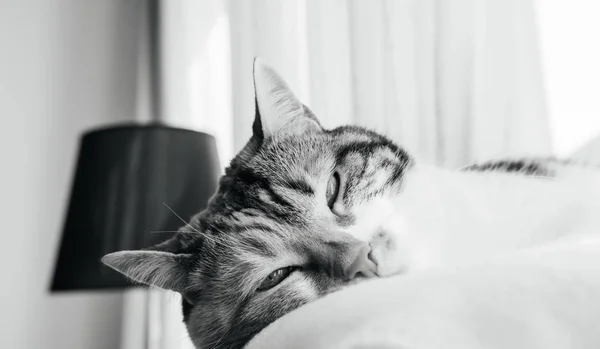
[{"x": 452, "y": 81}]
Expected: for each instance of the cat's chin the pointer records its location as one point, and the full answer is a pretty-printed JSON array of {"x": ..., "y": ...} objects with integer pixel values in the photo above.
[{"x": 361, "y": 279}]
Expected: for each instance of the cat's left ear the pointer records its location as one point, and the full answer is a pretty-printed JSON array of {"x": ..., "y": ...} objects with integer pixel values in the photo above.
[
  {"x": 278, "y": 111},
  {"x": 156, "y": 268}
]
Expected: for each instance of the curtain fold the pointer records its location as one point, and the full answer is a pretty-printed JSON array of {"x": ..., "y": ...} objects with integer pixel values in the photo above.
[{"x": 452, "y": 81}]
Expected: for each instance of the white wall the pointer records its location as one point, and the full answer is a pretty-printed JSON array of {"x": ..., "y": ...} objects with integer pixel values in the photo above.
[
  {"x": 65, "y": 66},
  {"x": 571, "y": 55}
]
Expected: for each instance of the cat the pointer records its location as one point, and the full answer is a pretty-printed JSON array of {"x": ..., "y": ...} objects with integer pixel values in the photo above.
[{"x": 302, "y": 211}]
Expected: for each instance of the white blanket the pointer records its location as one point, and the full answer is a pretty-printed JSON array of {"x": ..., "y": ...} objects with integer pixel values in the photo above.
[
  {"x": 543, "y": 298},
  {"x": 538, "y": 299}
]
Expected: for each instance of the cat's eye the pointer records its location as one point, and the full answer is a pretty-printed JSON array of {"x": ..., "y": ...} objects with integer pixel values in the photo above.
[
  {"x": 276, "y": 277},
  {"x": 333, "y": 189}
]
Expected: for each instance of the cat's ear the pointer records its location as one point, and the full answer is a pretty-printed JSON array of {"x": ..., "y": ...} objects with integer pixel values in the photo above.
[
  {"x": 278, "y": 111},
  {"x": 156, "y": 268}
]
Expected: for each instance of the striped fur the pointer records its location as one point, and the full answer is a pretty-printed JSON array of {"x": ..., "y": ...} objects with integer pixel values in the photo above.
[
  {"x": 270, "y": 212},
  {"x": 538, "y": 167}
]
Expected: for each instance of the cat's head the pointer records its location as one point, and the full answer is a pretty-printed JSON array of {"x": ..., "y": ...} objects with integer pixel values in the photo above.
[{"x": 296, "y": 216}]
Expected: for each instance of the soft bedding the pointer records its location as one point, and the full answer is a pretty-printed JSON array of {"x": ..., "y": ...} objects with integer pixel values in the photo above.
[
  {"x": 542, "y": 298},
  {"x": 545, "y": 297}
]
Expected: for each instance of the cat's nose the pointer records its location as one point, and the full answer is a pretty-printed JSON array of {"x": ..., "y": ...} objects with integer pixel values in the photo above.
[{"x": 361, "y": 264}]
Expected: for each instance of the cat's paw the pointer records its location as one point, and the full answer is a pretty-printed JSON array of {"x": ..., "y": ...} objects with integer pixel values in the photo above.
[{"x": 386, "y": 255}]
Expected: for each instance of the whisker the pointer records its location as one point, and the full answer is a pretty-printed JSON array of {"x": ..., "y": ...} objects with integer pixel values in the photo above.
[
  {"x": 172, "y": 231},
  {"x": 212, "y": 238},
  {"x": 181, "y": 219},
  {"x": 215, "y": 343}
]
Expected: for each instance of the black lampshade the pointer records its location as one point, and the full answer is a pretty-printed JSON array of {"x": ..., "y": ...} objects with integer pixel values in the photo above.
[{"x": 126, "y": 180}]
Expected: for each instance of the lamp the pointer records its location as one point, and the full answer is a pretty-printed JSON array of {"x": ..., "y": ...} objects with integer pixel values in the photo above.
[{"x": 130, "y": 181}]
